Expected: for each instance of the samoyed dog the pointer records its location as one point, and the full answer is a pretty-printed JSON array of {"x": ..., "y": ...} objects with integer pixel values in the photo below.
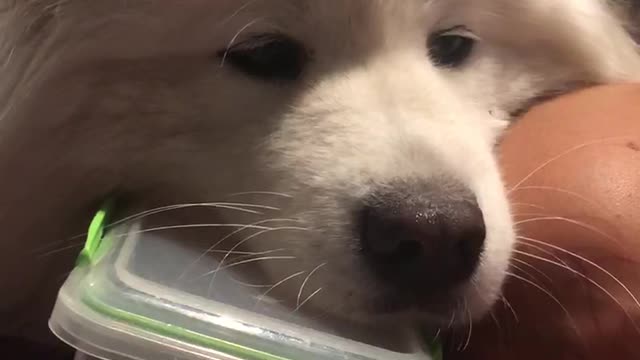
[{"x": 348, "y": 142}]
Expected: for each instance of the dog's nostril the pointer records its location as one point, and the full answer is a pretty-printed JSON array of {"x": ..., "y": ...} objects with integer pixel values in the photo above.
[
  {"x": 471, "y": 243},
  {"x": 387, "y": 238},
  {"x": 406, "y": 251},
  {"x": 435, "y": 243}
]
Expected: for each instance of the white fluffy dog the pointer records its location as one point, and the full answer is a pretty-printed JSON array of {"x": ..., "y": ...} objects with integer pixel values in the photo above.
[{"x": 371, "y": 123}]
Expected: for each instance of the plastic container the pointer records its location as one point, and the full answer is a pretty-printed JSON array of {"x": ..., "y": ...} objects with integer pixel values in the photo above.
[{"x": 128, "y": 299}]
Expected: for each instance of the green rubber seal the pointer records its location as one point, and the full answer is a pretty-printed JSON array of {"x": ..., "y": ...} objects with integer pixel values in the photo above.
[
  {"x": 436, "y": 351},
  {"x": 93, "y": 248},
  {"x": 178, "y": 333}
]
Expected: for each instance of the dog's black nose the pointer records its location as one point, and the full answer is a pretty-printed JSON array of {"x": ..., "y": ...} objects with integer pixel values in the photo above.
[{"x": 423, "y": 242}]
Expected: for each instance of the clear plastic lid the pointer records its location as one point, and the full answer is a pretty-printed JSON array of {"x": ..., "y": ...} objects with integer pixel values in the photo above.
[{"x": 128, "y": 299}]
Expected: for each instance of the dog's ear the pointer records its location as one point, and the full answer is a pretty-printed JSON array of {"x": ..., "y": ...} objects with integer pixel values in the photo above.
[
  {"x": 601, "y": 39},
  {"x": 629, "y": 12},
  {"x": 589, "y": 39},
  {"x": 592, "y": 37}
]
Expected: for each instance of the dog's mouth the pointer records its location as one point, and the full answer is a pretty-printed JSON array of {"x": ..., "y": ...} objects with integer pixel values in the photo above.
[{"x": 433, "y": 307}]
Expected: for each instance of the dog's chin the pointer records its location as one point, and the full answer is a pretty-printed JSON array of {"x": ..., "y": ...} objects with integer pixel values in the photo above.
[{"x": 409, "y": 310}]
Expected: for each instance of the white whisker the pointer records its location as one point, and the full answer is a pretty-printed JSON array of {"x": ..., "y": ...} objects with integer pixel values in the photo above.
[
  {"x": 248, "y": 253},
  {"x": 487, "y": 303},
  {"x": 563, "y": 154},
  {"x": 516, "y": 267},
  {"x": 590, "y": 262},
  {"x": 61, "y": 249},
  {"x": 305, "y": 282},
  {"x": 466, "y": 344},
  {"x": 241, "y": 207},
  {"x": 246, "y": 284},
  {"x": 221, "y": 263},
  {"x": 237, "y": 12},
  {"x": 255, "y": 225},
  {"x": 549, "y": 294},
  {"x": 191, "y": 226},
  {"x": 506, "y": 302},
  {"x": 513, "y": 204},
  {"x": 495, "y": 321},
  {"x": 542, "y": 250},
  {"x": 529, "y": 214},
  {"x": 248, "y": 261},
  {"x": 264, "y": 295},
  {"x": 453, "y": 319},
  {"x": 560, "y": 190},
  {"x": 235, "y": 37},
  {"x": 300, "y": 305},
  {"x": 571, "y": 221},
  {"x": 593, "y": 282},
  {"x": 524, "y": 263},
  {"x": 270, "y": 193}
]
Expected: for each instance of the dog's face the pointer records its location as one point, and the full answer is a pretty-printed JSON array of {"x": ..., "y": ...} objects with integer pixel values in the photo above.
[{"x": 371, "y": 125}]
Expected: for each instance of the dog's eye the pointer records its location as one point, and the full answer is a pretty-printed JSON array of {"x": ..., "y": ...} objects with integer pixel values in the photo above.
[
  {"x": 268, "y": 57},
  {"x": 450, "y": 48}
]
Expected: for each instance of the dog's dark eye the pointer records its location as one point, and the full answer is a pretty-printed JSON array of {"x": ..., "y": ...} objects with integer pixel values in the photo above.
[
  {"x": 267, "y": 57},
  {"x": 450, "y": 48}
]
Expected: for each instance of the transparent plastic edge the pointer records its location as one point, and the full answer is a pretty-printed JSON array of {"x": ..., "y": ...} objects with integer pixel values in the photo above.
[
  {"x": 80, "y": 318},
  {"x": 292, "y": 331},
  {"x": 76, "y": 324}
]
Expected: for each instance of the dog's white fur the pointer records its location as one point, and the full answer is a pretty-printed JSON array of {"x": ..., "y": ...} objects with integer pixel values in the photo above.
[{"x": 111, "y": 96}]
